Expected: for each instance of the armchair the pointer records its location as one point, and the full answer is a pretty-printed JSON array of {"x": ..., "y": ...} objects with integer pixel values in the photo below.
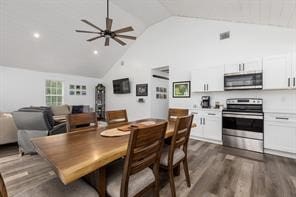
[{"x": 34, "y": 122}]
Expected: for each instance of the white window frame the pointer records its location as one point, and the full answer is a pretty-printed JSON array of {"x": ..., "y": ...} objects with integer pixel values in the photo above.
[{"x": 56, "y": 103}]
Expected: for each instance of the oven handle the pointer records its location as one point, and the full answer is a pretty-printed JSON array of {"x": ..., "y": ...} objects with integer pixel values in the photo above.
[{"x": 243, "y": 116}]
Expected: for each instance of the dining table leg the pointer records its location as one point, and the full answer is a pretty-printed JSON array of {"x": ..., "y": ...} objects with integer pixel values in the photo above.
[{"x": 97, "y": 179}]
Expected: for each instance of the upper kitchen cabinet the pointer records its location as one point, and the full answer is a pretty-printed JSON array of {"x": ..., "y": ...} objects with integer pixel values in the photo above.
[
  {"x": 278, "y": 72},
  {"x": 244, "y": 66},
  {"x": 207, "y": 79}
]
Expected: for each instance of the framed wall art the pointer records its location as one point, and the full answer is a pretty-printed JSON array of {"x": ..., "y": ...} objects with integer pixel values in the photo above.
[
  {"x": 142, "y": 90},
  {"x": 181, "y": 89}
]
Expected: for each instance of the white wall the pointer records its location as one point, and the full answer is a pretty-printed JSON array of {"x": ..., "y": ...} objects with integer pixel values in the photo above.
[
  {"x": 20, "y": 88},
  {"x": 188, "y": 43}
]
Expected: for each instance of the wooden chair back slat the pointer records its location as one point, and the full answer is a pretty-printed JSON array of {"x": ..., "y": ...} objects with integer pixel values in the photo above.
[
  {"x": 82, "y": 122},
  {"x": 115, "y": 117},
  {"x": 181, "y": 135},
  {"x": 177, "y": 112},
  {"x": 144, "y": 149},
  {"x": 3, "y": 191}
]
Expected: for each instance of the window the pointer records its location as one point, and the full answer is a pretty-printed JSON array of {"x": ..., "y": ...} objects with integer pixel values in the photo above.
[{"x": 54, "y": 92}]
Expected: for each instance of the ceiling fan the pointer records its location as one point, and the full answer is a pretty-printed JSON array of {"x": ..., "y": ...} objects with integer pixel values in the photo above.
[{"x": 108, "y": 33}]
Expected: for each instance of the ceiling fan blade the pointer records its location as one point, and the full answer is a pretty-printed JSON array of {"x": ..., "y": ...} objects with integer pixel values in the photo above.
[
  {"x": 107, "y": 41},
  {"x": 119, "y": 41},
  {"x": 126, "y": 37},
  {"x": 83, "y": 31},
  {"x": 108, "y": 24},
  {"x": 94, "y": 38},
  {"x": 126, "y": 29},
  {"x": 89, "y": 23}
]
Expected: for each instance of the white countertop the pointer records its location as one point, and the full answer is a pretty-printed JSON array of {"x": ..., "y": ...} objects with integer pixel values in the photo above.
[{"x": 205, "y": 109}]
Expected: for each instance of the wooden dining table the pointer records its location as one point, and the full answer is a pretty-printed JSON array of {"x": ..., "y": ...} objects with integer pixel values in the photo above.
[{"x": 86, "y": 153}]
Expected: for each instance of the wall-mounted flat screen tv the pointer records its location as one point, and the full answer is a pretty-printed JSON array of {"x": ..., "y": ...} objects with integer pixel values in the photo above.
[{"x": 121, "y": 86}]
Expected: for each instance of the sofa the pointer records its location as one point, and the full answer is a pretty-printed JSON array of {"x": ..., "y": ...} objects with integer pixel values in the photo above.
[
  {"x": 34, "y": 122},
  {"x": 8, "y": 130},
  {"x": 60, "y": 112}
]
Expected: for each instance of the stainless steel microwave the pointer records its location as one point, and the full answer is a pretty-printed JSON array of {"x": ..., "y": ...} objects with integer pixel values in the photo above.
[{"x": 243, "y": 81}]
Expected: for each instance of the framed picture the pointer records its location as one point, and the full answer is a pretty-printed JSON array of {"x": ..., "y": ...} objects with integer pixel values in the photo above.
[
  {"x": 77, "y": 87},
  {"x": 72, "y": 92},
  {"x": 83, "y": 87},
  {"x": 142, "y": 90},
  {"x": 157, "y": 89},
  {"x": 157, "y": 96},
  {"x": 78, "y": 93},
  {"x": 83, "y": 93},
  {"x": 164, "y": 90},
  {"x": 181, "y": 89},
  {"x": 72, "y": 87}
]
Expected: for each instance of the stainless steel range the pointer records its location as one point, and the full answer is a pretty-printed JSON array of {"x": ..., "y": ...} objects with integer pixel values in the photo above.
[{"x": 243, "y": 124}]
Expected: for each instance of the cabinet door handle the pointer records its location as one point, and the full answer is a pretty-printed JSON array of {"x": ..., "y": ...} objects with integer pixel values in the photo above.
[
  {"x": 239, "y": 67},
  {"x": 204, "y": 87},
  {"x": 294, "y": 83},
  {"x": 243, "y": 67},
  {"x": 211, "y": 114},
  {"x": 200, "y": 121},
  {"x": 204, "y": 121},
  {"x": 289, "y": 82},
  {"x": 281, "y": 118},
  {"x": 207, "y": 87}
]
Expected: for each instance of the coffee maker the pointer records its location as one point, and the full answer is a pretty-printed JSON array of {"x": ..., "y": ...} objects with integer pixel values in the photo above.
[{"x": 205, "y": 102}]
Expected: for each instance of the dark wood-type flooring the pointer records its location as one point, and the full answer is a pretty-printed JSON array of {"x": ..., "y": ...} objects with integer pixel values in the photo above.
[{"x": 214, "y": 170}]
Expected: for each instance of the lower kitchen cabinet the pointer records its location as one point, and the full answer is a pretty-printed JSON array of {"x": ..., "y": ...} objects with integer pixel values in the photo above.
[
  {"x": 208, "y": 125},
  {"x": 280, "y": 133}
]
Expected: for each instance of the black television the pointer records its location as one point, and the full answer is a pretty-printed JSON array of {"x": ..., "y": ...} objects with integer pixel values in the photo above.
[{"x": 121, "y": 86}]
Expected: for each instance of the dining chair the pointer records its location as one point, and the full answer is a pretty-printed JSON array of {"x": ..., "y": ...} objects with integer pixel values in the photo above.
[
  {"x": 133, "y": 175},
  {"x": 175, "y": 153},
  {"x": 3, "y": 192},
  {"x": 174, "y": 113},
  {"x": 54, "y": 187},
  {"x": 117, "y": 116},
  {"x": 82, "y": 122}
]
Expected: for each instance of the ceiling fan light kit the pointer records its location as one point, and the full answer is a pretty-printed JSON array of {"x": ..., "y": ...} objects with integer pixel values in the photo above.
[{"x": 108, "y": 33}]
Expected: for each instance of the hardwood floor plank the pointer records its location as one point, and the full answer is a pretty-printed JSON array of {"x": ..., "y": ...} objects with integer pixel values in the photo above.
[{"x": 215, "y": 171}]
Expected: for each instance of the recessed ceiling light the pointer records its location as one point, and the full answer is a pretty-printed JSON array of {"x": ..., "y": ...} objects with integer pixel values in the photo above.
[
  {"x": 96, "y": 52},
  {"x": 36, "y": 35}
]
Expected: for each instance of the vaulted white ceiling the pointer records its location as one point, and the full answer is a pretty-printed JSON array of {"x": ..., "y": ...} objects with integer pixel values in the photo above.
[
  {"x": 265, "y": 12},
  {"x": 60, "y": 49}
]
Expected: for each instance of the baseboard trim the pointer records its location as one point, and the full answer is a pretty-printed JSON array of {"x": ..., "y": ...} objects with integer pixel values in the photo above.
[
  {"x": 280, "y": 153},
  {"x": 206, "y": 140}
]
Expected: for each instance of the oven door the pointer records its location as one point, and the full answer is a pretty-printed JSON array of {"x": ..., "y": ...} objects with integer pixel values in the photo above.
[
  {"x": 244, "y": 125},
  {"x": 243, "y": 81}
]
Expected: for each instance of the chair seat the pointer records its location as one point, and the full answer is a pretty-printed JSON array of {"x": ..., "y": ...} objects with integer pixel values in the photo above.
[
  {"x": 136, "y": 184},
  {"x": 164, "y": 158},
  {"x": 55, "y": 188}
]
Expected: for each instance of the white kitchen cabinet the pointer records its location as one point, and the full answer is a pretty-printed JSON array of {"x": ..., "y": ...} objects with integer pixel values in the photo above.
[
  {"x": 198, "y": 130},
  {"x": 244, "y": 66},
  {"x": 197, "y": 81},
  {"x": 280, "y": 133},
  {"x": 215, "y": 79},
  {"x": 252, "y": 65},
  {"x": 293, "y": 71},
  {"x": 207, "y": 79},
  {"x": 213, "y": 127},
  {"x": 232, "y": 68},
  {"x": 277, "y": 72},
  {"x": 208, "y": 125}
]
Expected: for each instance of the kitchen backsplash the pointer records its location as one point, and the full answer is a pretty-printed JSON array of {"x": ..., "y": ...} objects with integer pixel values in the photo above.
[{"x": 283, "y": 101}]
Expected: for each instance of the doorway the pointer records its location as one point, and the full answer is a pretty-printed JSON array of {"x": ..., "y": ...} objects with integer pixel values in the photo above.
[{"x": 160, "y": 92}]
